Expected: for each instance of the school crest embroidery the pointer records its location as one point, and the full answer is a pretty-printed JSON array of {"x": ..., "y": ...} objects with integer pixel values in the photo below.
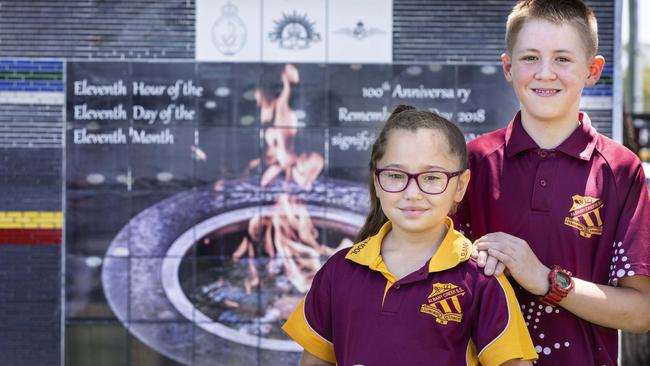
[
  {"x": 443, "y": 303},
  {"x": 584, "y": 215}
]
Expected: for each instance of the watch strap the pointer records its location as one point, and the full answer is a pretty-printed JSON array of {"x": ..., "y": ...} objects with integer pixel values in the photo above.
[{"x": 556, "y": 293}]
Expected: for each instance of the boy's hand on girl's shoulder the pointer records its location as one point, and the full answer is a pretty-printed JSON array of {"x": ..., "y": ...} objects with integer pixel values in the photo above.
[
  {"x": 491, "y": 265},
  {"x": 500, "y": 250}
]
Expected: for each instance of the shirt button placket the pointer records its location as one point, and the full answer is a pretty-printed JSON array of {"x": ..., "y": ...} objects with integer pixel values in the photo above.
[
  {"x": 392, "y": 300},
  {"x": 542, "y": 188}
]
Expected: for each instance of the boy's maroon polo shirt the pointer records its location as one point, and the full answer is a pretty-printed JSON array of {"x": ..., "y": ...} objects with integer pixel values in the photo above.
[
  {"x": 583, "y": 206},
  {"x": 446, "y": 313}
]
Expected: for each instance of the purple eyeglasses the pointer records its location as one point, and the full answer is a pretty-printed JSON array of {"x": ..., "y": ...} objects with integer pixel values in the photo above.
[{"x": 431, "y": 182}]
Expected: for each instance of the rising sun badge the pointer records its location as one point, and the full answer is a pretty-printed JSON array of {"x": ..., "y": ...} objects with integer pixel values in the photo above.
[{"x": 294, "y": 32}]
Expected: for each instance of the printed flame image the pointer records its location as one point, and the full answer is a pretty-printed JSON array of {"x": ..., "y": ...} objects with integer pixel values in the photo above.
[
  {"x": 281, "y": 127},
  {"x": 288, "y": 236}
]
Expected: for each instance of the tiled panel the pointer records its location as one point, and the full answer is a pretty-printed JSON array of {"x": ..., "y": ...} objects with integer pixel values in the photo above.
[
  {"x": 349, "y": 152},
  {"x": 85, "y": 296},
  {"x": 161, "y": 158},
  {"x": 359, "y": 95},
  {"x": 93, "y": 219},
  {"x": 227, "y": 153},
  {"x": 96, "y": 344},
  {"x": 165, "y": 335}
]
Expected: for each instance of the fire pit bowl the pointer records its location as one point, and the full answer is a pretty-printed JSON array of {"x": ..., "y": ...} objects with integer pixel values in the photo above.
[{"x": 184, "y": 310}]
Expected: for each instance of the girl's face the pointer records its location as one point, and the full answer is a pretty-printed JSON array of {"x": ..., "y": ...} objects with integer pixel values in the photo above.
[{"x": 412, "y": 210}]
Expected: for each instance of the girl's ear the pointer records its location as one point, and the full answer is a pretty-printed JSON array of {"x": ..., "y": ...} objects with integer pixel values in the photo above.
[
  {"x": 461, "y": 188},
  {"x": 377, "y": 187}
]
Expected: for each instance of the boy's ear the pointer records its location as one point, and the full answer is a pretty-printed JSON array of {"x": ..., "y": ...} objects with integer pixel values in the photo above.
[
  {"x": 595, "y": 70},
  {"x": 507, "y": 65}
]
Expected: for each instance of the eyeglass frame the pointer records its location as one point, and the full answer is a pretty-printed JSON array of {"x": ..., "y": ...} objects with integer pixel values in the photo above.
[{"x": 415, "y": 177}]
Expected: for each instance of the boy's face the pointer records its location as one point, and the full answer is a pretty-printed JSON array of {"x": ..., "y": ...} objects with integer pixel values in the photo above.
[{"x": 548, "y": 68}]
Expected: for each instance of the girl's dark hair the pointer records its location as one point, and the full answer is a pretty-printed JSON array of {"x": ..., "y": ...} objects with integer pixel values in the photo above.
[{"x": 408, "y": 118}]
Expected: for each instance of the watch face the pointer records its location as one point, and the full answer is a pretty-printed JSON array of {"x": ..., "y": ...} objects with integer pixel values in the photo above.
[{"x": 562, "y": 280}]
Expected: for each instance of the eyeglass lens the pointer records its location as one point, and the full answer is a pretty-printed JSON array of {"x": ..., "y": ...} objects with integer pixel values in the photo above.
[{"x": 396, "y": 181}]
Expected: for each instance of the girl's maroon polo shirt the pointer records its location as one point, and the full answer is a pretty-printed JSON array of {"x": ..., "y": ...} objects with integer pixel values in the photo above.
[{"x": 446, "y": 313}]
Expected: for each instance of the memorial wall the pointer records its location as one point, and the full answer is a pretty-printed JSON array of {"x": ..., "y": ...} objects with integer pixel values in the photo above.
[
  {"x": 183, "y": 168},
  {"x": 202, "y": 197}
]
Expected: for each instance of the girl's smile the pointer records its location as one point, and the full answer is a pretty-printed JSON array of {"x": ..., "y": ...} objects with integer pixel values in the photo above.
[{"x": 413, "y": 211}]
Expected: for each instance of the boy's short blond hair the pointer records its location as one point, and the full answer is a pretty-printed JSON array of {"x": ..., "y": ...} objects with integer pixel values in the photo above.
[{"x": 574, "y": 12}]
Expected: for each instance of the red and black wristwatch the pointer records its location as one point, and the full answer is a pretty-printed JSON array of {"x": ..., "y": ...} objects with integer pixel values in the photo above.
[{"x": 560, "y": 283}]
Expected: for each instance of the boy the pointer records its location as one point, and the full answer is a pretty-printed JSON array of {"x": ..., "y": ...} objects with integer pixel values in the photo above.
[{"x": 564, "y": 208}]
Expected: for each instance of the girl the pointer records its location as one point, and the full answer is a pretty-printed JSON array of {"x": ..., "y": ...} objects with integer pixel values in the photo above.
[{"x": 406, "y": 293}]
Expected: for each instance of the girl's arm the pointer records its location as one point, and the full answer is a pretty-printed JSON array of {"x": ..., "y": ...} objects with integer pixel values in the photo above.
[{"x": 308, "y": 359}]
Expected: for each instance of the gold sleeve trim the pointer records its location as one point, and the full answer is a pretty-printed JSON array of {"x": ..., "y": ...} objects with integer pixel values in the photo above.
[
  {"x": 298, "y": 328},
  {"x": 514, "y": 341}
]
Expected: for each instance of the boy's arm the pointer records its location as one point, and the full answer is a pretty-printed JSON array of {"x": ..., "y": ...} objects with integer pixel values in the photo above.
[{"x": 622, "y": 307}]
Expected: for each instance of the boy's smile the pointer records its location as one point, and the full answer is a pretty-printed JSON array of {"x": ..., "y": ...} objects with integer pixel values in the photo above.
[
  {"x": 545, "y": 92},
  {"x": 548, "y": 68}
]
